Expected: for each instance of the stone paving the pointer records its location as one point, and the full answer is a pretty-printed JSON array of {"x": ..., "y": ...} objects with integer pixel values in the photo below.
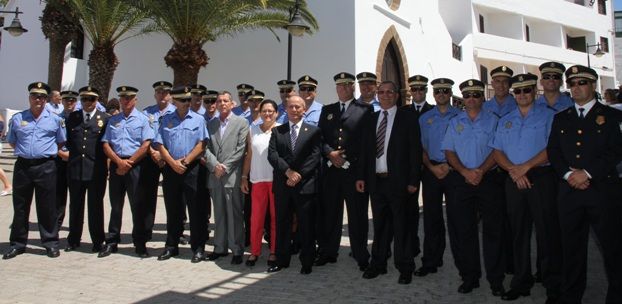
[{"x": 81, "y": 277}]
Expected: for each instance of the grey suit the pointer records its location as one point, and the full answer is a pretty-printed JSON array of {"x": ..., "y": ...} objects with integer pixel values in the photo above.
[{"x": 228, "y": 207}]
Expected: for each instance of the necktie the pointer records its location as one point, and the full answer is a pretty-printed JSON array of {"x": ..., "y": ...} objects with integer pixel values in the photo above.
[
  {"x": 294, "y": 135},
  {"x": 380, "y": 135},
  {"x": 581, "y": 113},
  {"x": 88, "y": 117},
  {"x": 343, "y": 108},
  {"x": 418, "y": 109}
]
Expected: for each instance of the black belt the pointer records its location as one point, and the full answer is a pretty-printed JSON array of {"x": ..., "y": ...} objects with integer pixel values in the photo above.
[
  {"x": 34, "y": 161},
  {"x": 382, "y": 175},
  {"x": 435, "y": 163}
]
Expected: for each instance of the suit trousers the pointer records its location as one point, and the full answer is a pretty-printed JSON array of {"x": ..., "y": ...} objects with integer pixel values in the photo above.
[
  {"x": 391, "y": 216},
  {"x": 96, "y": 189},
  {"x": 599, "y": 207},
  {"x": 433, "y": 221},
  {"x": 180, "y": 190},
  {"x": 203, "y": 195},
  {"x": 61, "y": 191},
  {"x": 288, "y": 203},
  {"x": 228, "y": 219},
  {"x": 39, "y": 177},
  {"x": 119, "y": 185},
  {"x": 339, "y": 185},
  {"x": 263, "y": 204},
  {"x": 527, "y": 207},
  {"x": 468, "y": 205},
  {"x": 148, "y": 192}
]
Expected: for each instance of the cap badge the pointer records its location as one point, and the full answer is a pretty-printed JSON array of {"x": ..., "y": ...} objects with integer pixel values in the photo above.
[
  {"x": 520, "y": 78},
  {"x": 575, "y": 69},
  {"x": 552, "y": 64},
  {"x": 89, "y": 89},
  {"x": 364, "y": 74},
  {"x": 442, "y": 81},
  {"x": 123, "y": 89},
  {"x": 306, "y": 77},
  {"x": 504, "y": 68},
  {"x": 39, "y": 85},
  {"x": 470, "y": 82},
  {"x": 343, "y": 75},
  {"x": 186, "y": 90},
  {"x": 418, "y": 78}
]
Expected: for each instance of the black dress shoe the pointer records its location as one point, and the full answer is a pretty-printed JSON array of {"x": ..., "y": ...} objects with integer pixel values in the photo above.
[
  {"x": 198, "y": 257},
  {"x": 498, "y": 291},
  {"x": 271, "y": 263},
  {"x": 323, "y": 260},
  {"x": 514, "y": 294},
  {"x": 236, "y": 260},
  {"x": 467, "y": 287},
  {"x": 552, "y": 299},
  {"x": 214, "y": 256},
  {"x": 405, "y": 278},
  {"x": 107, "y": 250},
  {"x": 96, "y": 248},
  {"x": 71, "y": 247},
  {"x": 424, "y": 271},
  {"x": 168, "y": 253},
  {"x": 371, "y": 272},
  {"x": 184, "y": 240},
  {"x": 52, "y": 252},
  {"x": 275, "y": 268},
  {"x": 251, "y": 262},
  {"x": 363, "y": 266},
  {"x": 141, "y": 252},
  {"x": 13, "y": 252},
  {"x": 305, "y": 270}
]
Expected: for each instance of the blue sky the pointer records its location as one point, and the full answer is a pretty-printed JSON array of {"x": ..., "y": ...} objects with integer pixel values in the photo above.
[{"x": 617, "y": 4}]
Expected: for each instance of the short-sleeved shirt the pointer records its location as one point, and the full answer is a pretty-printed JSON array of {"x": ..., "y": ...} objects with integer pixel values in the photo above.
[
  {"x": 374, "y": 103},
  {"x": 239, "y": 111},
  {"x": 508, "y": 105},
  {"x": 261, "y": 170},
  {"x": 521, "y": 138},
  {"x": 180, "y": 136},
  {"x": 312, "y": 115},
  {"x": 563, "y": 102},
  {"x": 98, "y": 106},
  {"x": 282, "y": 116},
  {"x": 36, "y": 138},
  {"x": 469, "y": 138},
  {"x": 201, "y": 110},
  {"x": 126, "y": 134},
  {"x": 154, "y": 114},
  {"x": 433, "y": 125},
  {"x": 55, "y": 108}
]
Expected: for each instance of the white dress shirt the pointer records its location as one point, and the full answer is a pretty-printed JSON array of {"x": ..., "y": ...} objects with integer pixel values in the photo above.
[{"x": 381, "y": 163}]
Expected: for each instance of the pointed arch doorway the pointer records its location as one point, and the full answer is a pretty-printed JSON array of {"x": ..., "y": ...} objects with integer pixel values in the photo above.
[{"x": 391, "y": 63}]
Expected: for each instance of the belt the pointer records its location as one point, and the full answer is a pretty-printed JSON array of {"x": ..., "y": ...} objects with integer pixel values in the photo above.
[
  {"x": 436, "y": 163},
  {"x": 34, "y": 161},
  {"x": 382, "y": 175}
]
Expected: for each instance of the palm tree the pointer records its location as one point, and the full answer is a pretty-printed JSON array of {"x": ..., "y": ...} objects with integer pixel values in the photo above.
[
  {"x": 106, "y": 24},
  {"x": 192, "y": 23},
  {"x": 59, "y": 27}
]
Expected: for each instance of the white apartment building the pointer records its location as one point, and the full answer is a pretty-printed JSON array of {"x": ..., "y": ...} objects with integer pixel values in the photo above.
[{"x": 458, "y": 39}]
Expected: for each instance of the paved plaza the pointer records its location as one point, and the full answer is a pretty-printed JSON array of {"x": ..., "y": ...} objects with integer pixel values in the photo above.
[{"x": 81, "y": 277}]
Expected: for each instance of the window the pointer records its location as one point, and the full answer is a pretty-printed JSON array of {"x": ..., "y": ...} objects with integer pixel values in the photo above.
[
  {"x": 527, "y": 33},
  {"x": 481, "y": 24},
  {"x": 483, "y": 72},
  {"x": 604, "y": 44},
  {"x": 77, "y": 45},
  {"x": 580, "y": 2},
  {"x": 456, "y": 51},
  {"x": 618, "y": 24},
  {"x": 602, "y": 7}
]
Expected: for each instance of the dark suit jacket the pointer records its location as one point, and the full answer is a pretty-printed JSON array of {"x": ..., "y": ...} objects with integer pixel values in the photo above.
[
  {"x": 411, "y": 107},
  {"x": 87, "y": 160},
  {"x": 304, "y": 160},
  {"x": 593, "y": 143},
  {"x": 404, "y": 152},
  {"x": 344, "y": 132}
]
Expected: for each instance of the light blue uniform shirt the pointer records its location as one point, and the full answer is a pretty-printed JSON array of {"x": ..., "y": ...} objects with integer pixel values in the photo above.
[
  {"x": 433, "y": 126},
  {"x": 469, "y": 138},
  {"x": 238, "y": 111},
  {"x": 154, "y": 114},
  {"x": 98, "y": 106},
  {"x": 201, "y": 110},
  {"x": 179, "y": 136},
  {"x": 36, "y": 138},
  {"x": 282, "y": 117},
  {"x": 522, "y": 138},
  {"x": 509, "y": 104},
  {"x": 208, "y": 119},
  {"x": 563, "y": 102},
  {"x": 54, "y": 108},
  {"x": 312, "y": 115},
  {"x": 374, "y": 103},
  {"x": 126, "y": 134}
]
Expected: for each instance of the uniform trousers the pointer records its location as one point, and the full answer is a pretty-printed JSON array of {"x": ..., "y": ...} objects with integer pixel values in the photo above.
[
  {"x": 38, "y": 176},
  {"x": 180, "y": 190},
  {"x": 433, "y": 221},
  {"x": 61, "y": 191},
  {"x": 96, "y": 189},
  {"x": 203, "y": 195},
  {"x": 263, "y": 203},
  {"x": 391, "y": 216},
  {"x": 228, "y": 219},
  {"x": 119, "y": 185},
  {"x": 538, "y": 206},
  {"x": 498, "y": 178},
  {"x": 148, "y": 191},
  {"x": 339, "y": 185},
  {"x": 598, "y": 207},
  {"x": 467, "y": 205},
  {"x": 287, "y": 203}
]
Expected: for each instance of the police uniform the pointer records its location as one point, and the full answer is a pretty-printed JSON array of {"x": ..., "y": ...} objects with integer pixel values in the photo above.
[
  {"x": 420, "y": 82},
  {"x": 243, "y": 90},
  {"x": 313, "y": 112},
  {"x": 342, "y": 127},
  {"x": 176, "y": 139},
  {"x": 150, "y": 171},
  {"x": 87, "y": 172},
  {"x": 199, "y": 89},
  {"x": 202, "y": 189},
  {"x": 369, "y": 77},
  {"x": 288, "y": 86},
  {"x": 210, "y": 96},
  {"x": 468, "y": 139},
  {"x": 508, "y": 104},
  {"x": 520, "y": 138},
  {"x": 433, "y": 125},
  {"x": 259, "y": 96},
  {"x": 36, "y": 141},
  {"x": 125, "y": 136},
  {"x": 592, "y": 143},
  {"x": 61, "y": 171},
  {"x": 563, "y": 101}
]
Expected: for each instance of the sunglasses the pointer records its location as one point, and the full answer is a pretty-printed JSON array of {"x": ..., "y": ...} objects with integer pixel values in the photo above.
[
  {"x": 307, "y": 89},
  {"x": 471, "y": 95},
  {"x": 209, "y": 101},
  {"x": 443, "y": 91},
  {"x": 552, "y": 76},
  {"x": 385, "y": 92},
  {"x": 523, "y": 91},
  {"x": 286, "y": 90},
  {"x": 38, "y": 96},
  {"x": 575, "y": 83},
  {"x": 417, "y": 89},
  {"x": 88, "y": 99}
]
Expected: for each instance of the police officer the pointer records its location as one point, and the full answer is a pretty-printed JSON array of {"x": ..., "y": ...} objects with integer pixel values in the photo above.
[
  {"x": 35, "y": 134},
  {"x": 551, "y": 81},
  {"x": 196, "y": 105},
  {"x": 287, "y": 88},
  {"x": 151, "y": 168},
  {"x": 126, "y": 142},
  {"x": 502, "y": 102},
  {"x": 209, "y": 102},
  {"x": 433, "y": 125},
  {"x": 307, "y": 86},
  {"x": 242, "y": 109},
  {"x": 584, "y": 147},
  {"x": 418, "y": 90},
  {"x": 55, "y": 105},
  {"x": 181, "y": 140},
  {"x": 473, "y": 192},
  {"x": 341, "y": 124},
  {"x": 254, "y": 98},
  {"x": 68, "y": 99},
  {"x": 520, "y": 148},
  {"x": 368, "y": 84},
  {"x": 87, "y": 170}
]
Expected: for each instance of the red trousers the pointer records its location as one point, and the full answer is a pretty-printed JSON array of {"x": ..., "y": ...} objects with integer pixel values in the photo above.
[{"x": 262, "y": 198}]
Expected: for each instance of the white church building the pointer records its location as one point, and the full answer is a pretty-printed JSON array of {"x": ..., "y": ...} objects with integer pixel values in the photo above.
[{"x": 458, "y": 39}]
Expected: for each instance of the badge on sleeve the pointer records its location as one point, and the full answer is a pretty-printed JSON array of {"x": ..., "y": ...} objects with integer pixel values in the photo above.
[
  {"x": 62, "y": 123},
  {"x": 23, "y": 123},
  {"x": 600, "y": 119},
  {"x": 508, "y": 125},
  {"x": 429, "y": 122},
  {"x": 459, "y": 128}
]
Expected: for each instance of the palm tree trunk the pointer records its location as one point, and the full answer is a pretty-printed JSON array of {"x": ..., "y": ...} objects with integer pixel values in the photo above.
[
  {"x": 60, "y": 30},
  {"x": 102, "y": 64},
  {"x": 56, "y": 62},
  {"x": 186, "y": 59}
]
